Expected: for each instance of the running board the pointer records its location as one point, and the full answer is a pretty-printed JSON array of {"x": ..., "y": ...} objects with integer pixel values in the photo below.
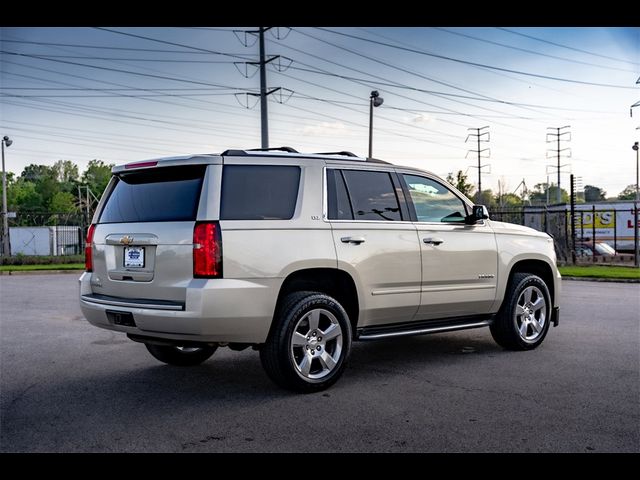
[{"x": 422, "y": 328}]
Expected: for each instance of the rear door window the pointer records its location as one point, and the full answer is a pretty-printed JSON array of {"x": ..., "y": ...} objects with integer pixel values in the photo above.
[
  {"x": 259, "y": 192},
  {"x": 155, "y": 195},
  {"x": 372, "y": 194}
]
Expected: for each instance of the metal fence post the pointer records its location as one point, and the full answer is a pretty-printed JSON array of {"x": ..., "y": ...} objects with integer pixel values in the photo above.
[{"x": 636, "y": 243}]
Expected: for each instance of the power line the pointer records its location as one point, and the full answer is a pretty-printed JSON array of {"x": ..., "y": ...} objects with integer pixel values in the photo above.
[
  {"x": 457, "y": 95},
  {"x": 103, "y": 47},
  {"x": 567, "y": 46},
  {"x": 467, "y": 62},
  {"x": 513, "y": 47},
  {"x": 158, "y": 60},
  {"x": 150, "y": 75},
  {"x": 151, "y": 39},
  {"x": 369, "y": 84}
]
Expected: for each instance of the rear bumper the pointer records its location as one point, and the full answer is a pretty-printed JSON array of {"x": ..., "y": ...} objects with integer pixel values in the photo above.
[{"x": 217, "y": 310}]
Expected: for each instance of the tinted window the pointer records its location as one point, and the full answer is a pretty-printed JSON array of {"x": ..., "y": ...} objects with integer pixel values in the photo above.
[
  {"x": 433, "y": 201},
  {"x": 259, "y": 192},
  {"x": 372, "y": 194},
  {"x": 155, "y": 195},
  {"x": 338, "y": 200}
]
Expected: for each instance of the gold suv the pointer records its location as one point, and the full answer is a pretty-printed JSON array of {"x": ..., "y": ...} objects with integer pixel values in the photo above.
[{"x": 298, "y": 255}]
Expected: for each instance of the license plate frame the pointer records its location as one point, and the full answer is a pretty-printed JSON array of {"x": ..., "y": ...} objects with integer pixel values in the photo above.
[{"x": 134, "y": 257}]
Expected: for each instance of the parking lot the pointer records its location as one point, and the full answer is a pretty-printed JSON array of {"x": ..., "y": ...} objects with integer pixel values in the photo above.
[{"x": 67, "y": 386}]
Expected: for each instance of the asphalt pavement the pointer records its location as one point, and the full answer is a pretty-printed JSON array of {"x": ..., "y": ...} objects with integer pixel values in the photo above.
[{"x": 66, "y": 386}]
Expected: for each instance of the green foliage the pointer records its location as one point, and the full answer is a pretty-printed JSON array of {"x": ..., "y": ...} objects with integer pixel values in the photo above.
[
  {"x": 594, "y": 194},
  {"x": 41, "y": 259},
  {"x": 43, "y": 188},
  {"x": 629, "y": 193},
  {"x": 58, "y": 266},
  {"x": 539, "y": 194},
  {"x": 65, "y": 171},
  {"x": 23, "y": 195},
  {"x": 508, "y": 200},
  {"x": 460, "y": 182},
  {"x": 97, "y": 176},
  {"x": 486, "y": 198},
  {"x": 63, "y": 202}
]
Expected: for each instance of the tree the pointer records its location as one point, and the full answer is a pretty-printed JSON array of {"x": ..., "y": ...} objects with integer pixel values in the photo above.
[
  {"x": 62, "y": 202},
  {"x": 487, "y": 199},
  {"x": 44, "y": 178},
  {"x": 65, "y": 171},
  {"x": 36, "y": 173},
  {"x": 23, "y": 195},
  {"x": 594, "y": 194},
  {"x": 97, "y": 176},
  {"x": 539, "y": 194},
  {"x": 629, "y": 193},
  {"x": 460, "y": 182},
  {"x": 509, "y": 200}
]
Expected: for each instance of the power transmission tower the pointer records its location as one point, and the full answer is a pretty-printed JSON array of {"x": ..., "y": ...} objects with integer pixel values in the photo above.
[
  {"x": 480, "y": 137},
  {"x": 262, "y": 66},
  {"x": 557, "y": 152}
]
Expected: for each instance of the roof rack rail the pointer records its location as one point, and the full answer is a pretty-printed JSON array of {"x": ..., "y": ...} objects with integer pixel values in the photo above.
[
  {"x": 232, "y": 152},
  {"x": 344, "y": 152},
  {"x": 283, "y": 149}
]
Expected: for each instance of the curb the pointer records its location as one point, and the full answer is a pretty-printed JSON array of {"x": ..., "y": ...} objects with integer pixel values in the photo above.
[
  {"x": 602, "y": 280},
  {"x": 37, "y": 272}
]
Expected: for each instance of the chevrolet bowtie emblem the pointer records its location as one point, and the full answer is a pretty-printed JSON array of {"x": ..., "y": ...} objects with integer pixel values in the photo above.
[{"x": 126, "y": 240}]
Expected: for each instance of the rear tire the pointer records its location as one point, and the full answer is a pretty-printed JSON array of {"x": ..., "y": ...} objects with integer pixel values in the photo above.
[
  {"x": 309, "y": 342},
  {"x": 181, "y": 356},
  {"x": 523, "y": 321}
]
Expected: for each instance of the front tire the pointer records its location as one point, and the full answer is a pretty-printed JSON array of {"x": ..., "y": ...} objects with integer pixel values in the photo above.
[
  {"x": 309, "y": 343},
  {"x": 181, "y": 356},
  {"x": 523, "y": 321}
]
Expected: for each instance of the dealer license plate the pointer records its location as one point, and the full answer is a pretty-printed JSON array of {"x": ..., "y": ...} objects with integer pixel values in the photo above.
[{"x": 134, "y": 256}]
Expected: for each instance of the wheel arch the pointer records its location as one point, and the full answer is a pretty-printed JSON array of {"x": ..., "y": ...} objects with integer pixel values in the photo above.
[
  {"x": 331, "y": 281},
  {"x": 536, "y": 267}
]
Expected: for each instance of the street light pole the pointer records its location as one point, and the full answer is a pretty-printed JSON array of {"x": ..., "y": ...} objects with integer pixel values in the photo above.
[
  {"x": 375, "y": 100},
  {"x": 635, "y": 147},
  {"x": 636, "y": 238},
  {"x": 6, "y": 246}
]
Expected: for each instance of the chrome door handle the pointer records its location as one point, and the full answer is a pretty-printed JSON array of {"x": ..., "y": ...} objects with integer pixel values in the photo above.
[
  {"x": 354, "y": 240},
  {"x": 432, "y": 240}
]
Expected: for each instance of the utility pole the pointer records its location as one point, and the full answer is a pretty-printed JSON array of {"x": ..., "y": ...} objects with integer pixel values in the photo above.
[
  {"x": 264, "y": 90},
  {"x": 480, "y": 137},
  {"x": 6, "y": 244},
  {"x": 263, "y": 93},
  {"x": 557, "y": 152}
]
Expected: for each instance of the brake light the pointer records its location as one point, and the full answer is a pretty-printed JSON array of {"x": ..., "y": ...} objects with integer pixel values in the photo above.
[
  {"x": 88, "y": 252},
  {"x": 140, "y": 165},
  {"x": 207, "y": 250}
]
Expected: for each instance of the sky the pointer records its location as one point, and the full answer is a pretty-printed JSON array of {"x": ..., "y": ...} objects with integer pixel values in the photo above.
[{"x": 125, "y": 94}]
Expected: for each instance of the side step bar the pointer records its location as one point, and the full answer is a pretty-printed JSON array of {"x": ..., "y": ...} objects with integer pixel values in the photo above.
[{"x": 422, "y": 328}]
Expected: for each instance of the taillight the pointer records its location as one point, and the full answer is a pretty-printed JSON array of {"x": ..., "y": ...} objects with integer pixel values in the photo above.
[
  {"x": 88, "y": 252},
  {"x": 207, "y": 250}
]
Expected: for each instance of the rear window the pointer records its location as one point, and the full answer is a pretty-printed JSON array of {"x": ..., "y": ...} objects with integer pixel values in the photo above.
[
  {"x": 155, "y": 195},
  {"x": 259, "y": 192}
]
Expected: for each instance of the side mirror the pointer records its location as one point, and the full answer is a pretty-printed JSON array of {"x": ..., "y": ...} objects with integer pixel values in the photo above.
[{"x": 479, "y": 212}]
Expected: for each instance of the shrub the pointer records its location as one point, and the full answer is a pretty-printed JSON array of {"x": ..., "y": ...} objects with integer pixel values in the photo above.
[{"x": 41, "y": 259}]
